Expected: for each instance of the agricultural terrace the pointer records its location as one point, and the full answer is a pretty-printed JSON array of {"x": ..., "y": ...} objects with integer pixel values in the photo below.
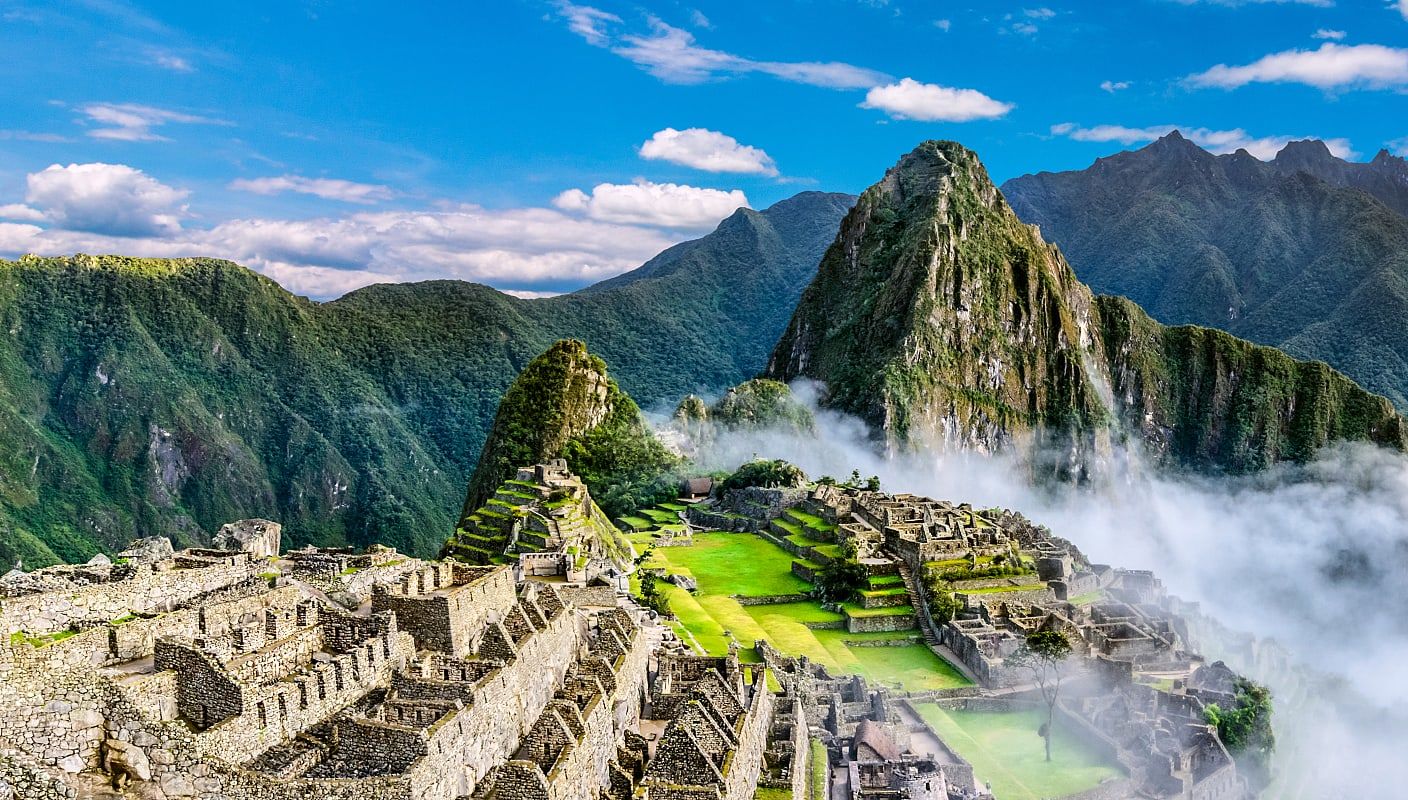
[
  {"x": 727, "y": 566},
  {"x": 1007, "y": 751}
]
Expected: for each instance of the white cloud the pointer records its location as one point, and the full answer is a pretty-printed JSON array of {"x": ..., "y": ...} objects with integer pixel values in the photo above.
[
  {"x": 1403, "y": 8},
  {"x": 698, "y": 20},
  {"x": 1399, "y": 147},
  {"x": 111, "y": 208},
  {"x": 112, "y": 199},
  {"x": 664, "y": 205},
  {"x": 587, "y": 22},
  {"x": 1024, "y": 28},
  {"x": 21, "y": 212},
  {"x": 944, "y": 25},
  {"x": 708, "y": 150},
  {"x": 910, "y": 99},
  {"x": 528, "y": 249},
  {"x": 172, "y": 62},
  {"x": 1114, "y": 86},
  {"x": 326, "y": 188},
  {"x": 1039, "y": 13},
  {"x": 1331, "y": 66},
  {"x": 671, "y": 54},
  {"x": 1326, "y": 33},
  {"x": 130, "y": 122},
  {"x": 1216, "y": 141}
]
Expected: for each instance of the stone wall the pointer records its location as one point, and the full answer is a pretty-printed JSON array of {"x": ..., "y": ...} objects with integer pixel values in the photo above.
[
  {"x": 444, "y": 612},
  {"x": 147, "y": 590},
  {"x": 885, "y": 622},
  {"x": 743, "y": 766}
]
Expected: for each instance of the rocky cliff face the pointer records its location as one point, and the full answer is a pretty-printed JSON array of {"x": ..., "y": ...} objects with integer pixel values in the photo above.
[
  {"x": 564, "y": 405},
  {"x": 941, "y": 319}
]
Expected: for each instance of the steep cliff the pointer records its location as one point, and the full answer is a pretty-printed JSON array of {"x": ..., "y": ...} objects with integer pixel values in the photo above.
[{"x": 942, "y": 319}]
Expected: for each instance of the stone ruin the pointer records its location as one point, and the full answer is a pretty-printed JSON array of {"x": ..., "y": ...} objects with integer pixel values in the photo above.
[
  {"x": 234, "y": 674},
  {"x": 1137, "y": 690}
]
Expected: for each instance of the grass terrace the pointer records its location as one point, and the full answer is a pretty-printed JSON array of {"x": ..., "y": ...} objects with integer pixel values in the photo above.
[
  {"x": 1007, "y": 751},
  {"x": 729, "y": 564}
]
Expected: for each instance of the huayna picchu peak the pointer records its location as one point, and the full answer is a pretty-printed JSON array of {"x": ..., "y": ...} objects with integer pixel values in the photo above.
[{"x": 941, "y": 318}]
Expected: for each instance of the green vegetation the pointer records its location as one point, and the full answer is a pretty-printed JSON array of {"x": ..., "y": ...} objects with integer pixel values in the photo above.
[
  {"x": 1044, "y": 654},
  {"x": 819, "y": 777},
  {"x": 736, "y": 564},
  {"x": 840, "y": 580},
  {"x": 875, "y": 326},
  {"x": 1005, "y": 750},
  {"x": 727, "y": 564},
  {"x": 1245, "y": 729},
  {"x": 351, "y": 422},
  {"x": 764, "y": 472},
  {"x": 768, "y": 793},
  {"x": 1200, "y": 239},
  {"x": 756, "y": 403},
  {"x": 564, "y": 405},
  {"x": 39, "y": 639}
]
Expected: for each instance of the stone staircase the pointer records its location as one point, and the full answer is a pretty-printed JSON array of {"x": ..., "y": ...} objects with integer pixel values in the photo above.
[{"x": 917, "y": 599}]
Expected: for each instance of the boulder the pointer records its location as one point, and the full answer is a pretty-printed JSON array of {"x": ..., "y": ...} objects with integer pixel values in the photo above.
[{"x": 260, "y": 538}]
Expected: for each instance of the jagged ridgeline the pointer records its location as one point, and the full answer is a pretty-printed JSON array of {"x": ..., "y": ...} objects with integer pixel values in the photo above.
[
  {"x": 1305, "y": 252},
  {"x": 941, "y": 319},
  {"x": 565, "y": 405}
]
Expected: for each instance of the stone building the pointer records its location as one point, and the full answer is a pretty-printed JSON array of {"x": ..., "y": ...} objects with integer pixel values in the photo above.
[{"x": 230, "y": 675}]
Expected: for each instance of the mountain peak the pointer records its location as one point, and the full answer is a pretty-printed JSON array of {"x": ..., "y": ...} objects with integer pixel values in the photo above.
[{"x": 1304, "y": 152}]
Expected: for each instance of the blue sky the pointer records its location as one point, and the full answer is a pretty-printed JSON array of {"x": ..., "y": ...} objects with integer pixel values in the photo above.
[{"x": 539, "y": 146}]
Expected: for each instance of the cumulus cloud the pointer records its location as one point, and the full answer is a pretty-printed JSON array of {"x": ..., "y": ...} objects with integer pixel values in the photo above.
[
  {"x": 1332, "y": 66},
  {"x": 113, "y": 208},
  {"x": 927, "y": 102},
  {"x": 708, "y": 150},
  {"x": 1403, "y": 8},
  {"x": 665, "y": 205},
  {"x": 1039, "y": 13},
  {"x": 1326, "y": 33},
  {"x": 326, "y": 188},
  {"x": 1217, "y": 141},
  {"x": 672, "y": 55},
  {"x": 112, "y": 199},
  {"x": 1114, "y": 86},
  {"x": 944, "y": 25},
  {"x": 1399, "y": 146},
  {"x": 130, "y": 122}
]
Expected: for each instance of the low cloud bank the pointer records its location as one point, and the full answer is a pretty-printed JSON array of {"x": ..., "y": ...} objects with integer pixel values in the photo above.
[{"x": 1310, "y": 560}]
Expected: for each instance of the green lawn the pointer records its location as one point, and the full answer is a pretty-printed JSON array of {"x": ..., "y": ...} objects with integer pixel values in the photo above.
[
  {"x": 1006, "y": 751},
  {"x": 853, "y": 610},
  {"x": 915, "y": 666},
  {"x": 766, "y": 793},
  {"x": 736, "y": 563},
  {"x": 635, "y": 522},
  {"x": 728, "y": 564},
  {"x": 885, "y": 581}
]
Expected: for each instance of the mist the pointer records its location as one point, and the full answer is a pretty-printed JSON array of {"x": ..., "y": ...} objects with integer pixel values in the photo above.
[{"x": 1299, "y": 570}]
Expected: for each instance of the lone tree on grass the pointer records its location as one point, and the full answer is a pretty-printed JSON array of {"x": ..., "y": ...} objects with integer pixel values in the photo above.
[{"x": 1044, "y": 653}]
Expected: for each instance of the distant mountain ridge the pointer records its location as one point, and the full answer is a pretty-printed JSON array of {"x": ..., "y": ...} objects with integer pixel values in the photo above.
[
  {"x": 1306, "y": 252},
  {"x": 169, "y": 396},
  {"x": 941, "y": 319}
]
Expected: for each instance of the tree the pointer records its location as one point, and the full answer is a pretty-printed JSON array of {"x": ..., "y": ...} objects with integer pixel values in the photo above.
[
  {"x": 1044, "y": 653},
  {"x": 1246, "y": 728},
  {"x": 841, "y": 581}
]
